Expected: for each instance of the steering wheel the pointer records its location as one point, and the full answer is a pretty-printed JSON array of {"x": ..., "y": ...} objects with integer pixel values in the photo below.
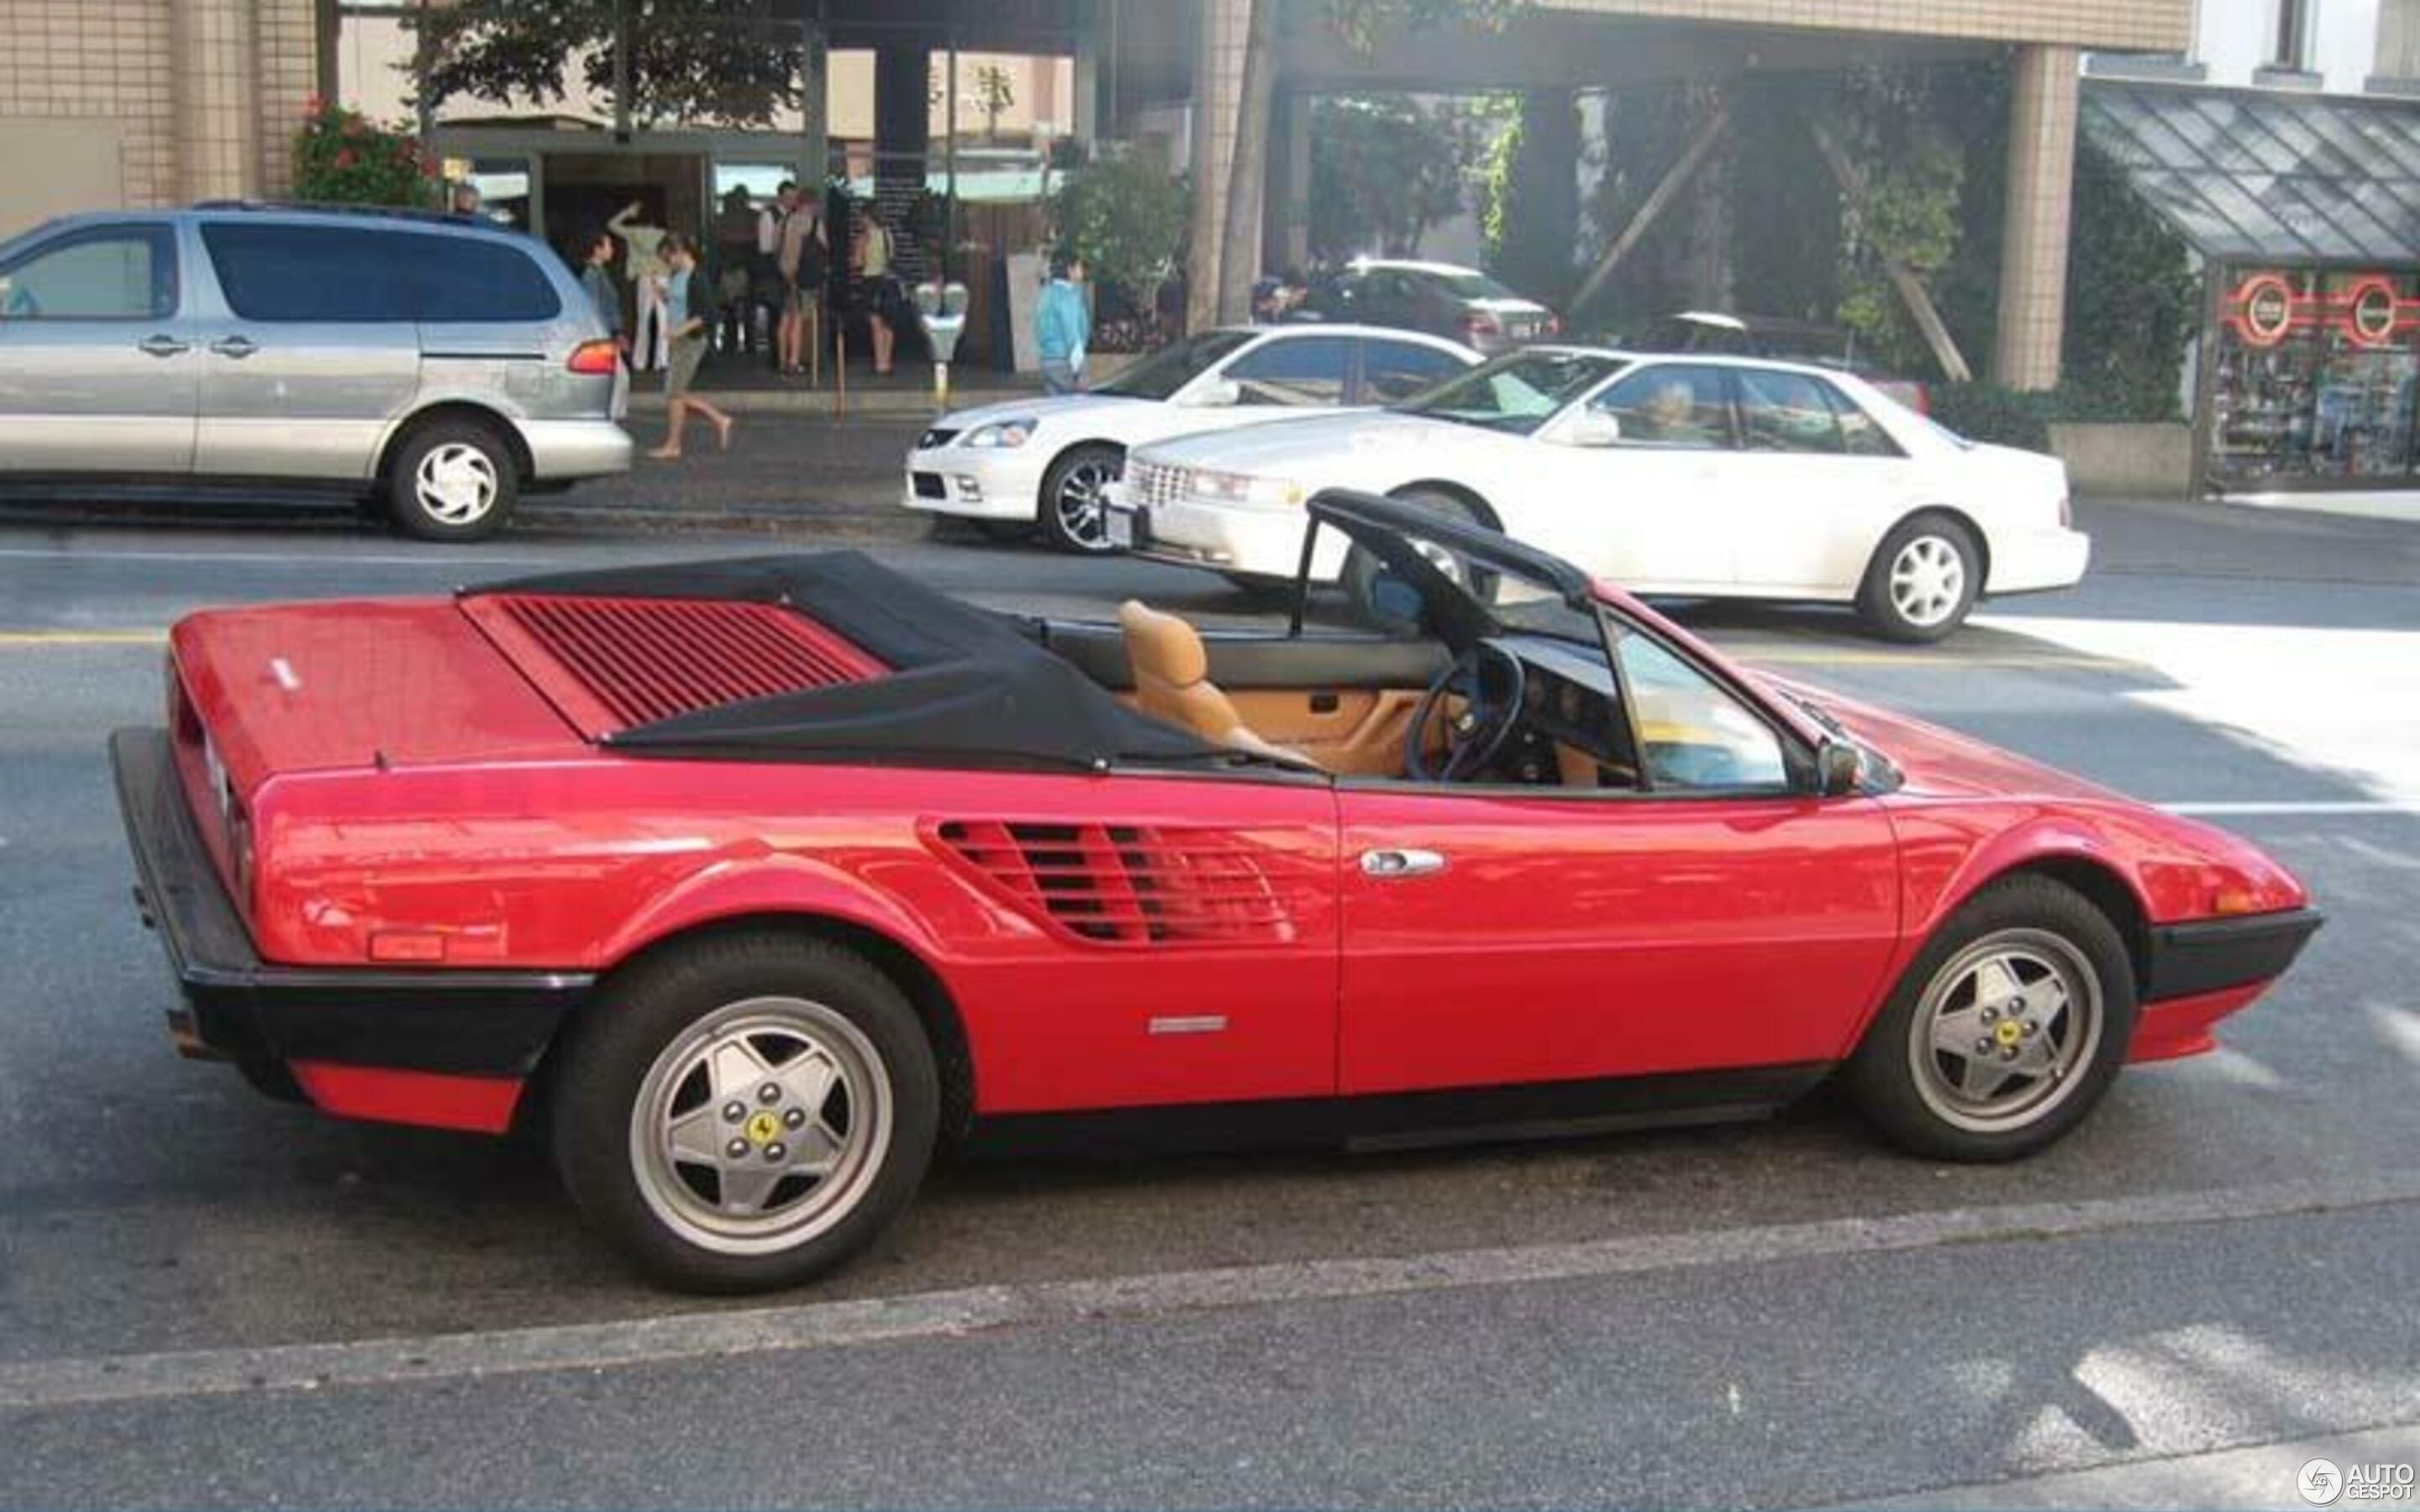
[{"x": 1490, "y": 681}]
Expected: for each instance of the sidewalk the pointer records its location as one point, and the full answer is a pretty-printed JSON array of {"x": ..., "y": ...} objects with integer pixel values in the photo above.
[{"x": 789, "y": 469}]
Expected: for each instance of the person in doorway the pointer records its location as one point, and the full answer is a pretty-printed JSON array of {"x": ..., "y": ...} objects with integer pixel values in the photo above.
[
  {"x": 1062, "y": 326},
  {"x": 735, "y": 246},
  {"x": 644, "y": 267},
  {"x": 798, "y": 256},
  {"x": 466, "y": 199},
  {"x": 688, "y": 319},
  {"x": 877, "y": 290}
]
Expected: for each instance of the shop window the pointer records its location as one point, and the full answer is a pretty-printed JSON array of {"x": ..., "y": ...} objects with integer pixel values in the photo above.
[
  {"x": 2398, "y": 40},
  {"x": 2317, "y": 377}
]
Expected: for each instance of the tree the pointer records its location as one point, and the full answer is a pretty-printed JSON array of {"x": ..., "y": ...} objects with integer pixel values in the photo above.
[
  {"x": 1126, "y": 218},
  {"x": 714, "y": 60},
  {"x": 1361, "y": 23},
  {"x": 1383, "y": 168},
  {"x": 341, "y": 159}
]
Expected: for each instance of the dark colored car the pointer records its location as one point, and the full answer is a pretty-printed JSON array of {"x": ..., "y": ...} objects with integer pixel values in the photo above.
[
  {"x": 1782, "y": 339},
  {"x": 1443, "y": 299}
]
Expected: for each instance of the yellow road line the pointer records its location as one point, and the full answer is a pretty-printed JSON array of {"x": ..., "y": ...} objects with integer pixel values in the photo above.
[{"x": 83, "y": 638}]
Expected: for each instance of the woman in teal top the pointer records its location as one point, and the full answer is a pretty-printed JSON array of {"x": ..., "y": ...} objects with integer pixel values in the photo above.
[{"x": 1062, "y": 326}]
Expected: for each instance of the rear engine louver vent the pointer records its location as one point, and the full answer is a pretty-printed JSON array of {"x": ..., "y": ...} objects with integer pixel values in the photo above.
[
  {"x": 612, "y": 664},
  {"x": 1133, "y": 884}
]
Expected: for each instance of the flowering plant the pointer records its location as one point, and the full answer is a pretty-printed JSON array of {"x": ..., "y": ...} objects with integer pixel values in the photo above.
[{"x": 341, "y": 159}]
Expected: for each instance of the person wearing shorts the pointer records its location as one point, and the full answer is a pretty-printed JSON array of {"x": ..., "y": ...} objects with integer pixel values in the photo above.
[{"x": 689, "y": 320}]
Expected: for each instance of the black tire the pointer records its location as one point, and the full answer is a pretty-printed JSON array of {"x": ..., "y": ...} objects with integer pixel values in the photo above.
[
  {"x": 1910, "y": 1101},
  {"x": 1075, "y": 522},
  {"x": 643, "y": 1016},
  {"x": 1907, "y": 617},
  {"x": 1361, "y": 568},
  {"x": 469, "y": 456}
]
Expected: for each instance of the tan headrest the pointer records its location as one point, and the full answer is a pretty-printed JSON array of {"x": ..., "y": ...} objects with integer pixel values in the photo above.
[{"x": 1162, "y": 646}]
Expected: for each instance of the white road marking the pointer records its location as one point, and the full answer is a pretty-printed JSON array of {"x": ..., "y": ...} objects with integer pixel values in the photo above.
[
  {"x": 680, "y": 1337},
  {"x": 2263, "y": 807}
]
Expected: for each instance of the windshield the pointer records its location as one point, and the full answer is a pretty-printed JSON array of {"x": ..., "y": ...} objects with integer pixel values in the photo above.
[
  {"x": 1170, "y": 368},
  {"x": 1475, "y": 285},
  {"x": 1516, "y": 394}
]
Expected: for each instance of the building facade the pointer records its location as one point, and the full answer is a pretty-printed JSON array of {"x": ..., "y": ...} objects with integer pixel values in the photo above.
[{"x": 2284, "y": 145}]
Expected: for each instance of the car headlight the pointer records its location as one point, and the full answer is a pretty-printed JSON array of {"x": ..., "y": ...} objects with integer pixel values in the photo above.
[
  {"x": 1243, "y": 488},
  {"x": 1000, "y": 434}
]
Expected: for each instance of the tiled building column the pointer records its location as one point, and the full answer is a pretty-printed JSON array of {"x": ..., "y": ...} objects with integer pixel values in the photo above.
[
  {"x": 2034, "y": 241},
  {"x": 286, "y": 72},
  {"x": 211, "y": 80},
  {"x": 1218, "y": 98}
]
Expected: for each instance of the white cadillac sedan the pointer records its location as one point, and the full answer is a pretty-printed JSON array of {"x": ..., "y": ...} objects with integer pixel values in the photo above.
[
  {"x": 1044, "y": 460},
  {"x": 1690, "y": 476}
]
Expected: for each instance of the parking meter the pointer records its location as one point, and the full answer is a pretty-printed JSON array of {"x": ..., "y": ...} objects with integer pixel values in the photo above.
[{"x": 943, "y": 310}]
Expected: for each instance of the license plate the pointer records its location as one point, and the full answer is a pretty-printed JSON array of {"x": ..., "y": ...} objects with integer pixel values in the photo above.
[{"x": 1119, "y": 525}]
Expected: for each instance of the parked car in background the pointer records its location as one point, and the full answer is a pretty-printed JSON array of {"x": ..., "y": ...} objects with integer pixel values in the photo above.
[
  {"x": 1784, "y": 340},
  {"x": 1443, "y": 299},
  {"x": 1701, "y": 476},
  {"x": 1015, "y": 465},
  {"x": 437, "y": 365}
]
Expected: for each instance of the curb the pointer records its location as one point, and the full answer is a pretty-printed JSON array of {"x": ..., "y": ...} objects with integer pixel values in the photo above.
[{"x": 863, "y": 404}]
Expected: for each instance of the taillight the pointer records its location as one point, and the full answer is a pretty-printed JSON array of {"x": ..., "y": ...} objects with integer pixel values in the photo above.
[
  {"x": 1923, "y": 395},
  {"x": 1554, "y": 326},
  {"x": 594, "y": 358}
]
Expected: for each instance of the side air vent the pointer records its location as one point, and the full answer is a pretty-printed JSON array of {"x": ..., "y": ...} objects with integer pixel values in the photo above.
[
  {"x": 612, "y": 664},
  {"x": 1133, "y": 884}
]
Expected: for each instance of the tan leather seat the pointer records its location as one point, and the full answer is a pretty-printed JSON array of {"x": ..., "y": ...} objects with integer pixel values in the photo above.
[{"x": 1172, "y": 677}]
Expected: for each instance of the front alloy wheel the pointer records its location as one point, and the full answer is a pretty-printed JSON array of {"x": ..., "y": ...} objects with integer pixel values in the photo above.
[
  {"x": 2004, "y": 1031},
  {"x": 1074, "y": 498}
]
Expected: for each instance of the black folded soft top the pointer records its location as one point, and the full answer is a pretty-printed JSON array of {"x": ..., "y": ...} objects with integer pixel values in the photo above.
[{"x": 967, "y": 686}]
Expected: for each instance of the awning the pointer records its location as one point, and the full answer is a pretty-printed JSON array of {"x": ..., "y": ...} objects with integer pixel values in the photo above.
[{"x": 2256, "y": 176}]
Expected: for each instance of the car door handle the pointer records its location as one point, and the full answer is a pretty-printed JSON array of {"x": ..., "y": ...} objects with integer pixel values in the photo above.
[
  {"x": 163, "y": 345},
  {"x": 1391, "y": 864},
  {"x": 238, "y": 347}
]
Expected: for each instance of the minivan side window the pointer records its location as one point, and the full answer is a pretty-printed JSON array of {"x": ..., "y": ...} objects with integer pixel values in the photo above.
[
  {"x": 275, "y": 272},
  {"x": 118, "y": 272}
]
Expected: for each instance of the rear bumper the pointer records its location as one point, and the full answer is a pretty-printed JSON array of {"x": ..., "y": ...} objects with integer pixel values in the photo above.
[
  {"x": 2213, "y": 954},
  {"x": 564, "y": 449},
  {"x": 2032, "y": 560},
  {"x": 235, "y": 1006}
]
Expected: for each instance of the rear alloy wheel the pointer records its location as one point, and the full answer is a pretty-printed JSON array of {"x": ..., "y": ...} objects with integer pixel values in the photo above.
[
  {"x": 1074, "y": 500},
  {"x": 746, "y": 1113},
  {"x": 2006, "y": 1029},
  {"x": 455, "y": 480},
  {"x": 1922, "y": 581}
]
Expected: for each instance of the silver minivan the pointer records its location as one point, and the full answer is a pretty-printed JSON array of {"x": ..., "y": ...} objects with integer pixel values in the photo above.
[{"x": 438, "y": 366}]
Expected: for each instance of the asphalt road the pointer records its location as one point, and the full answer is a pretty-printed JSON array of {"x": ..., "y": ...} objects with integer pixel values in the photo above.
[{"x": 208, "y": 1299}]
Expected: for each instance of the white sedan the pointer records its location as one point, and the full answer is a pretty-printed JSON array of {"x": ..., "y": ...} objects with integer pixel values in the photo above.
[
  {"x": 1696, "y": 476},
  {"x": 1044, "y": 460}
]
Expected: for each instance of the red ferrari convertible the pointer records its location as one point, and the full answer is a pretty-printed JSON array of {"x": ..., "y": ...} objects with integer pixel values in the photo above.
[{"x": 753, "y": 881}]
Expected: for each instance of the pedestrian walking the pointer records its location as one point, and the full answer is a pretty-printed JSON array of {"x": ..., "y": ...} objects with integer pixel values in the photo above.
[
  {"x": 689, "y": 320},
  {"x": 1062, "y": 326}
]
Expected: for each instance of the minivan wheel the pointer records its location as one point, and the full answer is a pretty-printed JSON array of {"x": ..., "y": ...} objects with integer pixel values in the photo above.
[
  {"x": 454, "y": 479},
  {"x": 747, "y": 1111}
]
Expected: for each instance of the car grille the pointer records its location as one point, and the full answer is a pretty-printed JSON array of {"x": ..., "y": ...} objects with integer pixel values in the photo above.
[
  {"x": 929, "y": 486},
  {"x": 937, "y": 436},
  {"x": 1137, "y": 884},
  {"x": 1154, "y": 484},
  {"x": 614, "y": 664}
]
